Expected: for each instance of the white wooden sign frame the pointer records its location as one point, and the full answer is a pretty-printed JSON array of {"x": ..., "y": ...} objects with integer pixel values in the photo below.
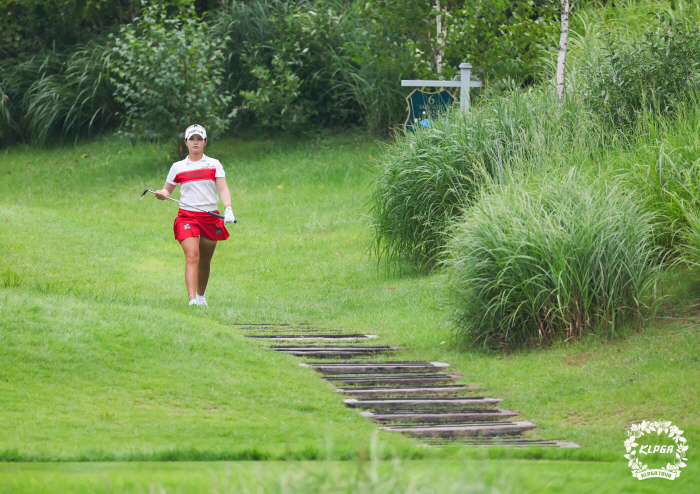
[{"x": 464, "y": 83}]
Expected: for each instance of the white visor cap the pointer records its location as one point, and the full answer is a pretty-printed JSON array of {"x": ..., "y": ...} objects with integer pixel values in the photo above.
[{"x": 195, "y": 129}]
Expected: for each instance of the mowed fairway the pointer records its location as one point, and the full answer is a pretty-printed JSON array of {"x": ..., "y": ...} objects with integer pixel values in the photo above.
[{"x": 101, "y": 358}]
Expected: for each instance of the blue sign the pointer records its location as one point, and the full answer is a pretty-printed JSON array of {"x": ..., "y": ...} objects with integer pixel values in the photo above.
[{"x": 424, "y": 106}]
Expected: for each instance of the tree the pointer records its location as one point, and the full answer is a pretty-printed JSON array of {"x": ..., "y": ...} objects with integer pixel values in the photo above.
[
  {"x": 566, "y": 9},
  {"x": 501, "y": 38},
  {"x": 168, "y": 73}
]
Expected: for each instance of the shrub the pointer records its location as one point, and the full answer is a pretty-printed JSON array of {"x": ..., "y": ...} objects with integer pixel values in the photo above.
[
  {"x": 168, "y": 72},
  {"x": 665, "y": 171},
  {"x": 554, "y": 258},
  {"x": 426, "y": 178},
  {"x": 56, "y": 94},
  {"x": 657, "y": 72},
  {"x": 289, "y": 64}
]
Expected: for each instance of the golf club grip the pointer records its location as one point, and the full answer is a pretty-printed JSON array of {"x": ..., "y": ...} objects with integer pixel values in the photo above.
[{"x": 217, "y": 215}]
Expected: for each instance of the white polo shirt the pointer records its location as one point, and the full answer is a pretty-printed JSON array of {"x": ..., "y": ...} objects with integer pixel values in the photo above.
[{"x": 197, "y": 181}]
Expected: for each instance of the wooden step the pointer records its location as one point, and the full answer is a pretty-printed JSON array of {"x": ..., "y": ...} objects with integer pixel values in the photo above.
[
  {"x": 313, "y": 337},
  {"x": 389, "y": 391},
  {"x": 421, "y": 403},
  {"x": 375, "y": 367},
  {"x": 333, "y": 351},
  {"x": 436, "y": 417},
  {"x": 409, "y": 379},
  {"x": 467, "y": 429},
  {"x": 510, "y": 442}
]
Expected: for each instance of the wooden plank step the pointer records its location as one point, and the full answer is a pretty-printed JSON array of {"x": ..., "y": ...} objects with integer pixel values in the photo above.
[
  {"x": 335, "y": 347},
  {"x": 436, "y": 417},
  {"x": 467, "y": 429},
  {"x": 514, "y": 442},
  {"x": 421, "y": 403},
  {"x": 395, "y": 367},
  {"x": 330, "y": 353},
  {"x": 369, "y": 392},
  {"x": 409, "y": 379},
  {"x": 314, "y": 337}
]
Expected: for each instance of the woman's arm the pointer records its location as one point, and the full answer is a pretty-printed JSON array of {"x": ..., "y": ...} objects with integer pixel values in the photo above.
[
  {"x": 223, "y": 191},
  {"x": 165, "y": 192}
]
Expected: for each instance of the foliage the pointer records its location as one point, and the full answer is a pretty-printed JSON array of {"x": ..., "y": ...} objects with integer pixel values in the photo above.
[
  {"x": 168, "y": 72},
  {"x": 31, "y": 26},
  {"x": 287, "y": 62},
  {"x": 665, "y": 171},
  {"x": 658, "y": 72},
  {"x": 553, "y": 258},
  {"x": 425, "y": 178},
  {"x": 55, "y": 94},
  {"x": 502, "y": 39}
]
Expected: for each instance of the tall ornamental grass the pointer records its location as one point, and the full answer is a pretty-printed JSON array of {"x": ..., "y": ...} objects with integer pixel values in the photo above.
[
  {"x": 664, "y": 169},
  {"x": 52, "y": 93},
  {"x": 425, "y": 178},
  {"x": 554, "y": 258}
]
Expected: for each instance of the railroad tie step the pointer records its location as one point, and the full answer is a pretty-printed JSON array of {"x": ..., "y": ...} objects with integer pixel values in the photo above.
[
  {"x": 409, "y": 379},
  {"x": 505, "y": 441},
  {"x": 392, "y": 367},
  {"x": 437, "y": 417},
  {"x": 313, "y": 337},
  {"x": 422, "y": 403},
  {"x": 334, "y": 351},
  {"x": 408, "y": 391},
  {"x": 463, "y": 429}
]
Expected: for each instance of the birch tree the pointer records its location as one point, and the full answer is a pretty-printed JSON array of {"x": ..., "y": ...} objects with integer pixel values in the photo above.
[
  {"x": 566, "y": 8},
  {"x": 441, "y": 34}
]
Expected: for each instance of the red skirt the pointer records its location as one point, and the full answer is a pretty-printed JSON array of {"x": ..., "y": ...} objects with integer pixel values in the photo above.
[{"x": 194, "y": 224}]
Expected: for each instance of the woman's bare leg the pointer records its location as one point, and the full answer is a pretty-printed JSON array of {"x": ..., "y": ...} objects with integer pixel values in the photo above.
[
  {"x": 206, "y": 251},
  {"x": 191, "y": 248}
]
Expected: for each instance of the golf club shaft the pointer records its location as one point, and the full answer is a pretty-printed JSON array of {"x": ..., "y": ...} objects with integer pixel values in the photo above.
[{"x": 194, "y": 207}]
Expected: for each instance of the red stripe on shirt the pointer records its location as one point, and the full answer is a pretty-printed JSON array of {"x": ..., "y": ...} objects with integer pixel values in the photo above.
[{"x": 196, "y": 175}]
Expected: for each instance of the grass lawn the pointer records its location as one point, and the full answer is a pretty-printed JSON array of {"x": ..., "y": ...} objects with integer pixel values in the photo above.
[
  {"x": 413, "y": 476},
  {"x": 101, "y": 358}
]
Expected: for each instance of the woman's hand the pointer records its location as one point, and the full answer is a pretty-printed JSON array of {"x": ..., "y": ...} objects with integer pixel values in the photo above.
[{"x": 162, "y": 194}]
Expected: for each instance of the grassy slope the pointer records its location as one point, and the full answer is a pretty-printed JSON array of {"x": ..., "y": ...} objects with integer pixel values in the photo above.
[
  {"x": 98, "y": 275},
  {"x": 102, "y": 358}
]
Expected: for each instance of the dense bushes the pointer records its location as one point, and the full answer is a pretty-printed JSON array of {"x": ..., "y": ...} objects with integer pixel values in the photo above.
[
  {"x": 552, "y": 258},
  {"x": 168, "y": 74},
  {"x": 425, "y": 178},
  {"x": 657, "y": 72}
]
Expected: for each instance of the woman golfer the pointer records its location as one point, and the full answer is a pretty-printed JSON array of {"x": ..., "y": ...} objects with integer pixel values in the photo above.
[{"x": 200, "y": 177}]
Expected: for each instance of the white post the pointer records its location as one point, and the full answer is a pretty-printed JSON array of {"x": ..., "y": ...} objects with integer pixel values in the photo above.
[{"x": 465, "y": 75}]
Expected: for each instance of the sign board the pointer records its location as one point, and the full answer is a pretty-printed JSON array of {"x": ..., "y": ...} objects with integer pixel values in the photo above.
[{"x": 424, "y": 106}]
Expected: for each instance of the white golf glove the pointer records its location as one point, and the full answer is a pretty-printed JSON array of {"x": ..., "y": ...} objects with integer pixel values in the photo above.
[{"x": 228, "y": 216}]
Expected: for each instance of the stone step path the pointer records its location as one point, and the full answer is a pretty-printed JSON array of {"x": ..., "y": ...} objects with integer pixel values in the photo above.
[{"x": 415, "y": 398}]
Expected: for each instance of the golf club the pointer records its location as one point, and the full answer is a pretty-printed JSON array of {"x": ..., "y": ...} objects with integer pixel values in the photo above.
[{"x": 187, "y": 205}]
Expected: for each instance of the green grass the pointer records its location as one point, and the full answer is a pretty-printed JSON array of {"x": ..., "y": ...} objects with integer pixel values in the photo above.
[
  {"x": 101, "y": 359},
  {"x": 425, "y": 477}
]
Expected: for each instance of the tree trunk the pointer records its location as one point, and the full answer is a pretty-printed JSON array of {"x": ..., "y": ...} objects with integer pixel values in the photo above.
[
  {"x": 563, "y": 43},
  {"x": 439, "y": 51}
]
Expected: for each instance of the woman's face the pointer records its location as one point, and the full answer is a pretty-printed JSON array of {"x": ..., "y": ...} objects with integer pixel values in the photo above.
[{"x": 196, "y": 144}]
